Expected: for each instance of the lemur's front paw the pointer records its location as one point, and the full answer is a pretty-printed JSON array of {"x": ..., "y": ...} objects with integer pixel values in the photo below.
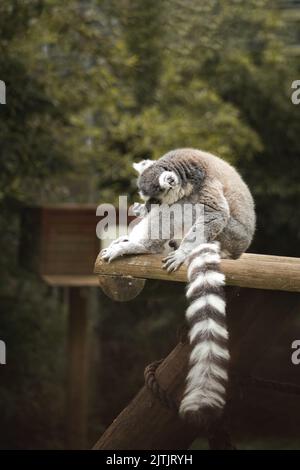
[
  {"x": 110, "y": 253},
  {"x": 115, "y": 250},
  {"x": 174, "y": 260},
  {"x": 106, "y": 251}
]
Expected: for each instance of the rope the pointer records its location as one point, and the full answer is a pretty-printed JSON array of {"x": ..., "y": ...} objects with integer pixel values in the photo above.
[
  {"x": 218, "y": 435},
  {"x": 242, "y": 381},
  {"x": 153, "y": 385}
]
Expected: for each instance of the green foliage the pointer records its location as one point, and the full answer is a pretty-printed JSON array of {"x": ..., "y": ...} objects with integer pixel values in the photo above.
[
  {"x": 144, "y": 33},
  {"x": 31, "y": 323},
  {"x": 30, "y": 148},
  {"x": 31, "y": 391}
]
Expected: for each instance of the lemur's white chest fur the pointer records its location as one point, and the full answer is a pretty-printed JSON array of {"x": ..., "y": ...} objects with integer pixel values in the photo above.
[{"x": 165, "y": 222}]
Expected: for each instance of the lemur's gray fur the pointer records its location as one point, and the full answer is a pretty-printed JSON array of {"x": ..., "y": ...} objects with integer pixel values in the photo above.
[{"x": 191, "y": 176}]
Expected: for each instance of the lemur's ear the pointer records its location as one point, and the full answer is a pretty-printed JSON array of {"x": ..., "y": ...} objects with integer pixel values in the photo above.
[
  {"x": 141, "y": 166},
  {"x": 168, "y": 179}
]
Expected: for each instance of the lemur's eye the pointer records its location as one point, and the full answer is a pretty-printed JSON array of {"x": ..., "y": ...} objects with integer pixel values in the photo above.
[{"x": 168, "y": 179}]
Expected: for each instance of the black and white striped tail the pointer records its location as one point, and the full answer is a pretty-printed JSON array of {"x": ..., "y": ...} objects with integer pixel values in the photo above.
[{"x": 205, "y": 392}]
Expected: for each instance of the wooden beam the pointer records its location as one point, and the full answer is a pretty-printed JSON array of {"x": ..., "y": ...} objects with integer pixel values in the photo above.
[
  {"x": 251, "y": 270},
  {"x": 147, "y": 424}
]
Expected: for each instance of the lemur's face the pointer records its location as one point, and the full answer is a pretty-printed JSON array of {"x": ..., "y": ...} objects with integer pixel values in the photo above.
[{"x": 158, "y": 185}]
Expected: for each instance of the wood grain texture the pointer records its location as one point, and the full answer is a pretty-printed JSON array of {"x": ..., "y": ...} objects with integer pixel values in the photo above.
[{"x": 251, "y": 270}]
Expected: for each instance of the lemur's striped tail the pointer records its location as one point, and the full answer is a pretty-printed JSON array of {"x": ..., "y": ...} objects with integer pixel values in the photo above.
[{"x": 205, "y": 393}]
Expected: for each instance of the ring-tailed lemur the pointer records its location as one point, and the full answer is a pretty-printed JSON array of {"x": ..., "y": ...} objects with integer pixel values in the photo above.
[{"x": 191, "y": 176}]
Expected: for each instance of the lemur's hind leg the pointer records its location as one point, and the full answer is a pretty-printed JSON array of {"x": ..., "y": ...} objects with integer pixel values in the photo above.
[
  {"x": 234, "y": 239},
  {"x": 205, "y": 230}
]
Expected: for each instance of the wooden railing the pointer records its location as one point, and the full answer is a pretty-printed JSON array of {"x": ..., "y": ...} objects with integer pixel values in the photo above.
[{"x": 255, "y": 271}]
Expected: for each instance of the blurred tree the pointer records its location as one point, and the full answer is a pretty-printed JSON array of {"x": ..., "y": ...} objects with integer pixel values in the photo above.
[
  {"x": 116, "y": 73},
  {"x": 242, "y": 53},
  {"x": 30, "y": 152},
  {"x": 144, "y": 33},
  {"x": 30, "y": 149}
]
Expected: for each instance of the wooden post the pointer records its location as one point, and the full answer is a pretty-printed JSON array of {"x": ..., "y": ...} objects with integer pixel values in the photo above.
[
  {"x": 147, "y": 424},
  {"x": 78, "y": 370}
]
